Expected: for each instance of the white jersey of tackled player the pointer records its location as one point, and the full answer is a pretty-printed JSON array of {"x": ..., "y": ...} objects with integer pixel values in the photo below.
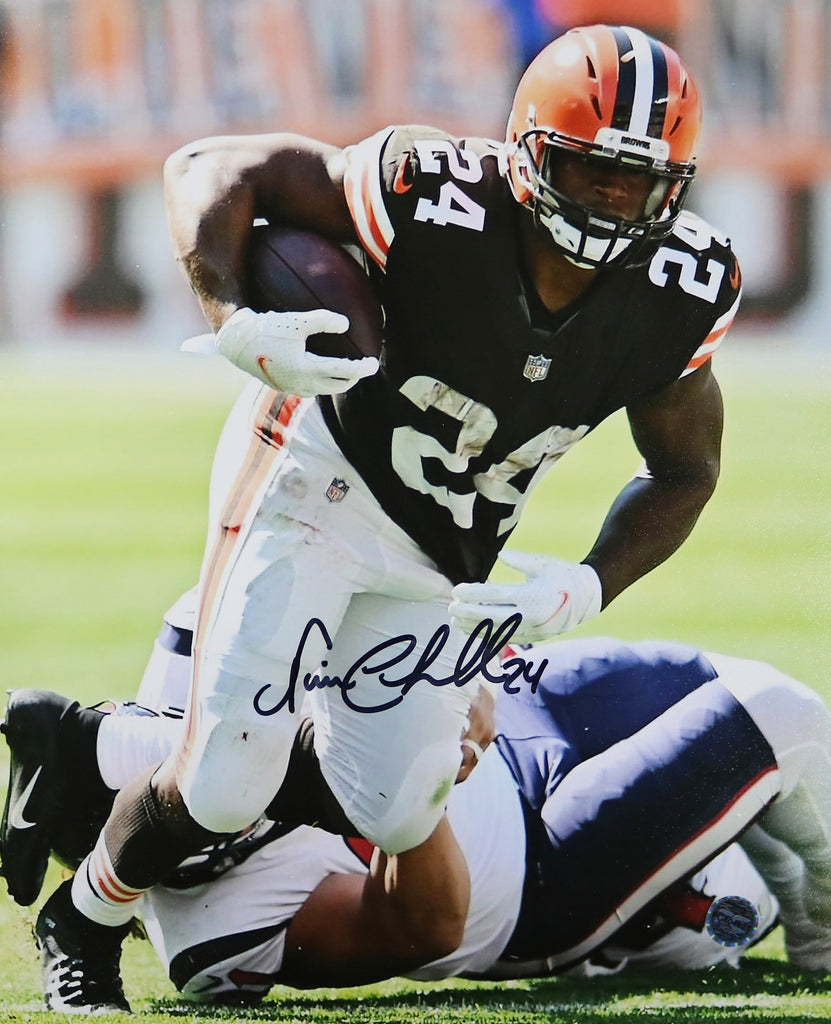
[{"x": 266, "y": 890}]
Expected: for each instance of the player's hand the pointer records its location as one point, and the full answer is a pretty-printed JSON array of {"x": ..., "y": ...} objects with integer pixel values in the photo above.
[
  {"x": 479, "y": 733},
  {"x": 272, "y": 347},
  {"x": 556, "y": 597}
]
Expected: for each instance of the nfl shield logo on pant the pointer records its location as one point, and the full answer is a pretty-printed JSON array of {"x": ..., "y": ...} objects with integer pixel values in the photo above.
[
  {"x": 336, "y": 491},
  {"x": 536, "y": 367}
]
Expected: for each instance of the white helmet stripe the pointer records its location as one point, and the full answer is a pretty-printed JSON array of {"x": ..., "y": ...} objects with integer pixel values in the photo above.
[{"x": 644, "y": 82}]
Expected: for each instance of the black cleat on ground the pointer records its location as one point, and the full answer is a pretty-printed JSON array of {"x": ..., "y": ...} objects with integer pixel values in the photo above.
[
  {"x": 36, "y": 788},
  {"x": 80, "y": 960}
]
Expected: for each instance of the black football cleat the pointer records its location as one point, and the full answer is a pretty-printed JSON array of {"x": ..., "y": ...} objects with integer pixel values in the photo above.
[
  {"x": 36, "y": 788},
  {"x": 80, "y": 960}
]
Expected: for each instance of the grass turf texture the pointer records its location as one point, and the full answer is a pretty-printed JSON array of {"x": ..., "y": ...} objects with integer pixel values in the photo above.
[{"x": 105, "y": 465}]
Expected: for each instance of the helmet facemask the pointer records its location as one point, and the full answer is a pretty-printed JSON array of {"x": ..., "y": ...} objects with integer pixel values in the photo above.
[{"x": 588, "y": 238}]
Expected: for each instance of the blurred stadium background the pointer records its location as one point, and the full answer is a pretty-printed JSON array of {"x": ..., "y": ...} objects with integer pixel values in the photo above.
[{"x": 95, "y": 93}]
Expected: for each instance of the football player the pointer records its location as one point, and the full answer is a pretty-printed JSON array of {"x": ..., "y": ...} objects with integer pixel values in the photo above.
[
  {"x": 613, "y": 780},
  {"x": 531, "y": 288}
]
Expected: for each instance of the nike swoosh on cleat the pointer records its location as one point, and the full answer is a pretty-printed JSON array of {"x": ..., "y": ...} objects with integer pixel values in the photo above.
[{"x": 16, "y": 815}]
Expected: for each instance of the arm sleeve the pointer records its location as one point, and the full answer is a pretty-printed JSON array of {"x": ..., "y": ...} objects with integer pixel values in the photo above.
[{"x": 365, "y": 195}]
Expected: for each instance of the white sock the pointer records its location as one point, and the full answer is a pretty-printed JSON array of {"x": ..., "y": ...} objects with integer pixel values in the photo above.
[{"x": 98, "y": 893}]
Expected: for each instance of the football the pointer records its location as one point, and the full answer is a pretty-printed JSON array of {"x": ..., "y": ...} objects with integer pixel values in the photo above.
[{"x": 287, "y": 270}]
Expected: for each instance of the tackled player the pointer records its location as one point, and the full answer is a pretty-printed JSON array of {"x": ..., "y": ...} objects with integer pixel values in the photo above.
[{"x": 616, "y": 783}]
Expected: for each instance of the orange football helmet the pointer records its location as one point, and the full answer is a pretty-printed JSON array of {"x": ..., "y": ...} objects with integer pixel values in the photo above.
[{"x": 611, "y": 94}]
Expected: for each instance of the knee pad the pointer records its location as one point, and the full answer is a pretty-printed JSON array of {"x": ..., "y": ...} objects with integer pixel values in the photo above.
[
  {"x": 233, "y": 768},
  {"x": 400, "y": 820}
]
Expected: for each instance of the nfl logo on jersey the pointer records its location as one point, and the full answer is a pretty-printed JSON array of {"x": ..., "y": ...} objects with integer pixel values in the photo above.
[
  {"x": 536, "y": 367},
  {"x": 336, "y": 491}
]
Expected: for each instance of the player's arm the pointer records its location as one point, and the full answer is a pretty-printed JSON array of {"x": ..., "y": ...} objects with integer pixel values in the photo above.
[
  {"x": 356, "y": 929},
  {"x": 678, "y": 432},
  {"x": 214, "y": 191},
  {"x": 216, "y": 187}
]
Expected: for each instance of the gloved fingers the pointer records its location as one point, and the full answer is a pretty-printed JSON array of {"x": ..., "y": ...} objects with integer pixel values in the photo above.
[
  {"x": 529, "y": 564},
  {"x": 487, "y": 593},
  {"x": 338, "y": 368},
  {"x": 333, "y": 378},
  {"x": 468, "y": 616},
  {"x": 324, "y": 321},
  {"x": 282, "y": 328}
]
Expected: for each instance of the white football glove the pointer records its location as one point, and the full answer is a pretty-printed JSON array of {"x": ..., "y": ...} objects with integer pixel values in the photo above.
[
  {"x": 556, "y": 597},
  {"x": 272, "y": 347}
]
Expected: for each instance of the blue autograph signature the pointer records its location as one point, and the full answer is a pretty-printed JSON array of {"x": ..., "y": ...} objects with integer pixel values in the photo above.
[{"x": 482, "y": 647}]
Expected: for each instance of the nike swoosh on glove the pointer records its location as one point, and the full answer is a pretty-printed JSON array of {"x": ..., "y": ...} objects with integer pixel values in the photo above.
[
  {"x": 272, "y": 347},
  {"x": 556, "y": 597}
]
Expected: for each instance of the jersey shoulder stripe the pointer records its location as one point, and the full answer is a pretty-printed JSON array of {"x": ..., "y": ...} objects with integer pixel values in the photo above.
[
  {"x": 714, "y": 339},
  {"x": 364, "y": 195}
]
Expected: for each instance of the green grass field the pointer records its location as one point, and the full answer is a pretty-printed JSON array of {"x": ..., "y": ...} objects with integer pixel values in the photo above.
[{"x": 104, "y": 472}]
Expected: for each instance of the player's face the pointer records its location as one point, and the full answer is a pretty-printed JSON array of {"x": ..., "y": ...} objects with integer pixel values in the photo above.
[{"x": 602, "y": 187}]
